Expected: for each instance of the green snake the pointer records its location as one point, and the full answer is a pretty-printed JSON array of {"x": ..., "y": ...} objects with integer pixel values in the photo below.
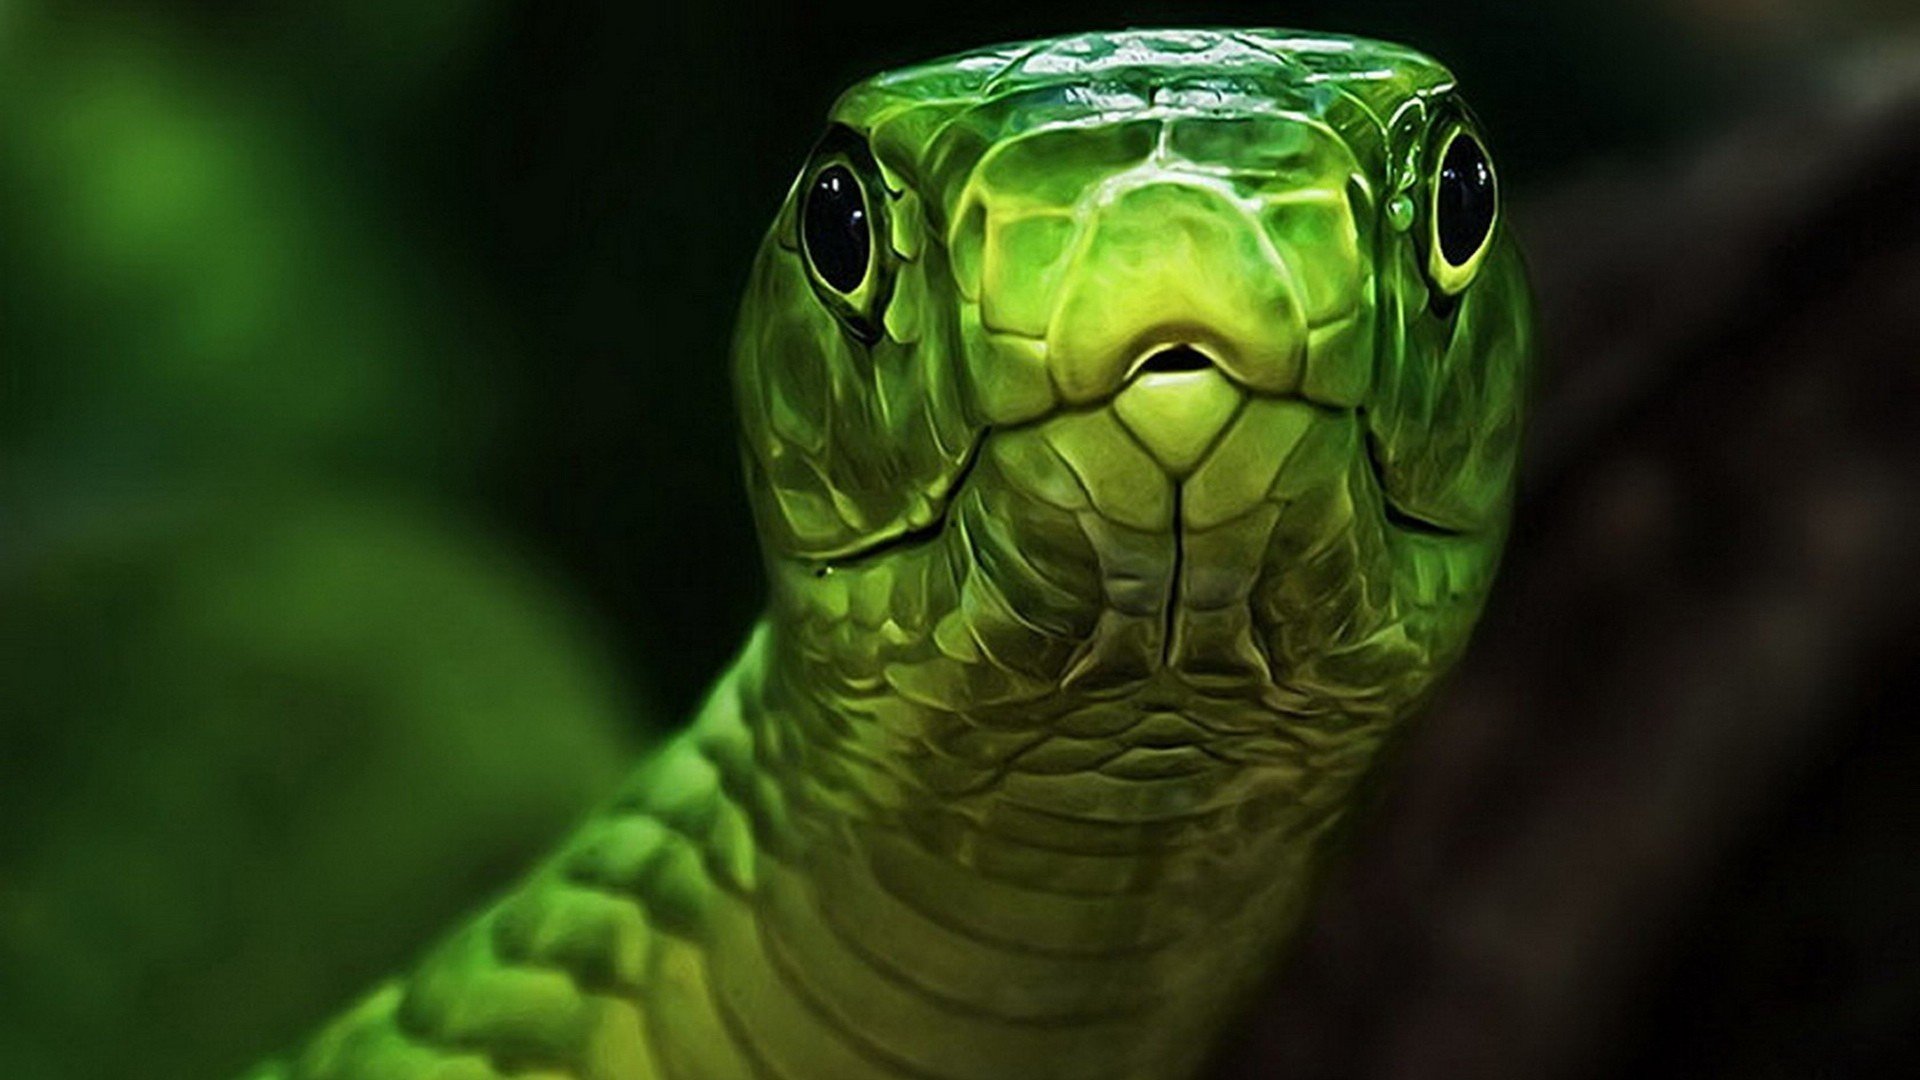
[{"x": 1130, "y": 424}]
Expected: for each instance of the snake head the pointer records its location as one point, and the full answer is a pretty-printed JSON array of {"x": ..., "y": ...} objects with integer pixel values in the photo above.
[{"x": 1178, "y": 363}]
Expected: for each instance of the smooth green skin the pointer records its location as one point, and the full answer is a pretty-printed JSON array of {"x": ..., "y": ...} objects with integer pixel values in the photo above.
[{"x": 1070, "y": 670}]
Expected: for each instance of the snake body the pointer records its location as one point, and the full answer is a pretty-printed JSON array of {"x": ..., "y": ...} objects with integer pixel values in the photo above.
[{"x": 1129, "y": 421}]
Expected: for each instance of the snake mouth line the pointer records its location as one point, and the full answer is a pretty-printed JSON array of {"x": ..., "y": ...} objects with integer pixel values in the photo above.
[
  {"x": 949, "y": 494},
  {"x": 1398, "y": 516},
  {"x": 913, "y": 535}
]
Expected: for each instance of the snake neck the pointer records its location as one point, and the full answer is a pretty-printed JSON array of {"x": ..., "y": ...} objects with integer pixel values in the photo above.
[
  {"x": 822, "y": 878},
  {"x": 1083, "y": 894}
]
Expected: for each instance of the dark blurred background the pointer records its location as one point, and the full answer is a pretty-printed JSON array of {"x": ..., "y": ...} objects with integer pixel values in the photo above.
[{"x": 368, "y": 498}]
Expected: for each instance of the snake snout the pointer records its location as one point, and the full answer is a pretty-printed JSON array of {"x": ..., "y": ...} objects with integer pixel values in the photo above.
[{"x": 1171, "y": 275}]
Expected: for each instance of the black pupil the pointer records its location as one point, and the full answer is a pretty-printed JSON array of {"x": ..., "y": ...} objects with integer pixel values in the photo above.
[
  {"x": 1466, "y": 200},
  {"x": 836, "y": 228}
]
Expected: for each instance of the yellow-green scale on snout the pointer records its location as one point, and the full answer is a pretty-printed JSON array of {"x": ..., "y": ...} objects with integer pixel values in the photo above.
[{"x": 1130, "y": 421}]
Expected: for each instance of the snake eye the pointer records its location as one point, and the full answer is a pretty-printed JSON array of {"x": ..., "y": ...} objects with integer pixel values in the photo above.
[
  {"x": 836, "y": 230},
  {"x": 1466, "y": 204},
  {"x": 841, "y": 218}
]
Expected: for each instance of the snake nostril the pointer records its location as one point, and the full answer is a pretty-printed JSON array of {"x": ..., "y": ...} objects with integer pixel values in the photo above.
[{"x": 1176, "y": 358}]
